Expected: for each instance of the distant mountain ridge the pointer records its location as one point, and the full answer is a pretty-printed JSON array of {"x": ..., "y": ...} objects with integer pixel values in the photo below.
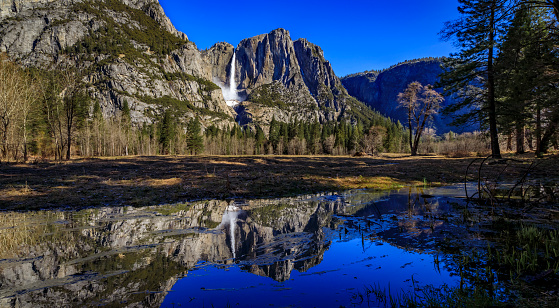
[
  {"x": 380, "y": 89},
  {"x": 412, "y": 61}
]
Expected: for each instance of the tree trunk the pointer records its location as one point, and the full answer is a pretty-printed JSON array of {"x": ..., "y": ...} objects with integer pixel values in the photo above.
[
  {"x": 25, "y": 138},
  {"x": 24, "y": 151},
  {"x": 538, "y": 130},
  {"x": 549, "y": 133},
  {"x": 5, "y": 141},
  {"x": 520, "y": 137},
  {"x": 530, "y": 140},
  {"x": 413, "y": 153},
  {"x": 414, "y": 150},
  {"x": 495, "y": 151},
  {"x": 69, "y": 143},
  {"x": 69, "y": 122}
]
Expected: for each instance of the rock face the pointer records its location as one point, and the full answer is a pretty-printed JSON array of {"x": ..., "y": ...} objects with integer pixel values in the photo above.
[
  {"x": 281, "y": 78},
  {"x": 219, "y": 57},
  {"x": 112, "y": 43},
  {"x": 380, "y": 90},
  {"x": 319, "y": 77},
  {"x": 266, "y": 58},
  {"x": 128, "y": 50}
]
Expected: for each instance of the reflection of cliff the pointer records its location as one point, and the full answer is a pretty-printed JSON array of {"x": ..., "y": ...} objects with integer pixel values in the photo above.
[
  {"x": 280, "y": 238},
  {"x": 104, "y": 256},
  {"x": 112, "y": 256}
]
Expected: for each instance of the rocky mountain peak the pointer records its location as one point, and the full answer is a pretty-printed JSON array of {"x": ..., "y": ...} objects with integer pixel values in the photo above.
[
  {"x": 219, "y": 57},
  {"x": 266, "y": 58},
  {"x": 318, "y": 75},
  {"x": 282, "y": 79},
  {"x": 12, "y": 8}
]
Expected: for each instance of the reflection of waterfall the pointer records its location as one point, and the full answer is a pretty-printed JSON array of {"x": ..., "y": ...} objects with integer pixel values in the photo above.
[
  {"x": 230, "y": 93},
  {"x": 230, "y": 217}
]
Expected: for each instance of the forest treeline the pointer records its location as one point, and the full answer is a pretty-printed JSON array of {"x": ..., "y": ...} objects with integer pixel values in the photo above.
[
  {"x": 47, "y": 115},
  {"x": 505, "y": 74}
]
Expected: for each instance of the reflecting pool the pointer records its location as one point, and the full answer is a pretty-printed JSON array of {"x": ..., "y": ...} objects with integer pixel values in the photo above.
[{"x": 315, "y": 250}]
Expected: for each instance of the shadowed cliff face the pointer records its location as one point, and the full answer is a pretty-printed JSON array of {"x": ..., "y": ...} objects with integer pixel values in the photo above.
[
  {"x": 219, "y": 58},
  {"x": 267, "y": 58},
  {"x": 270, "y": 76},
  {"x": 319, "y": 76},
  {"x": 380, "y": 90}
]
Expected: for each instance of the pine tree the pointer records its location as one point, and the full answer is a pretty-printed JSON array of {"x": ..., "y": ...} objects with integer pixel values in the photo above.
[
  {"x": 552, "y": 5},
  {"x": 476, "y": 33},
  {"x": 167, "y": 131},
  {"x": 259, "y": 140},
  {"x": 274, "y": 133},
  {"x": 125, "y": 111},
  {"x": 126, "y": 122},
  {"x": 314, "y": 138},
  {"x": 76, "y": 106},
  {"x": 513, "y": 88},
  {"x": 194, "y": 139},
  {"x": 527, "y": 67},
  {"x": 284, "y": 133}
]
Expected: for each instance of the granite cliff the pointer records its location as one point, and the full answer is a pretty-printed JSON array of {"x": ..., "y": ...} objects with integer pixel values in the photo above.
[
  {"x": 128, "y": 50},
  {"x": 281, "y": 78}
]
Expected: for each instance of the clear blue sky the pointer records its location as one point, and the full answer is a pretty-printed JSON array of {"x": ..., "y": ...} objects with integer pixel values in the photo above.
[{"x": 356, "y": 35}]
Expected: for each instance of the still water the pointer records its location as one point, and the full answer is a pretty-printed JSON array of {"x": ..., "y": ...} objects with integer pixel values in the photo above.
[{"x": 309, "y": 251}]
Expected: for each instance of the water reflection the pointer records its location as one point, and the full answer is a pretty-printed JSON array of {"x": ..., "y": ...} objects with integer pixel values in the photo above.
[{"x": 296, "y": 251}]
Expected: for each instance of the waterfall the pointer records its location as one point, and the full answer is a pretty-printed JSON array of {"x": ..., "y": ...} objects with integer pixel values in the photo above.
[
  {"x": 232, "y": 225},
  {"x": 232, "y": 69},
  {"x": 230, "y": 93},
  {"x": 230, "y": 218}
]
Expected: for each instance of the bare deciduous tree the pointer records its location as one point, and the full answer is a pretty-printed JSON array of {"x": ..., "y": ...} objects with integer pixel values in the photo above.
[
  {"x": 421, "y": 102},
  {"x": 17, "y": 92}
]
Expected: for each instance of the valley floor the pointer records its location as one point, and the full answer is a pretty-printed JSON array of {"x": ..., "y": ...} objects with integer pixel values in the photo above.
[{"x": 140, "y": 181}]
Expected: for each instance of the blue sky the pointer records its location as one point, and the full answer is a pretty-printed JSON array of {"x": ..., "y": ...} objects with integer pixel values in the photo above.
[{"x": 356, "y": 35}]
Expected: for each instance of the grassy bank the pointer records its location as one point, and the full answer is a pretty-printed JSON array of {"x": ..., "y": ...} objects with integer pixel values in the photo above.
[{"x": 140, "y": 181}]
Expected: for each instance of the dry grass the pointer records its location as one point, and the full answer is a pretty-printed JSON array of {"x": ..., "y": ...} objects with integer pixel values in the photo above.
[{"x": 140, "y": 181}]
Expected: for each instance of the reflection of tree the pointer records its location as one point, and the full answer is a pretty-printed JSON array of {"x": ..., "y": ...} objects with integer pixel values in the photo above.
[
  {"x": 494, "y": 256},
  {"x": 409, "y": 219}
]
